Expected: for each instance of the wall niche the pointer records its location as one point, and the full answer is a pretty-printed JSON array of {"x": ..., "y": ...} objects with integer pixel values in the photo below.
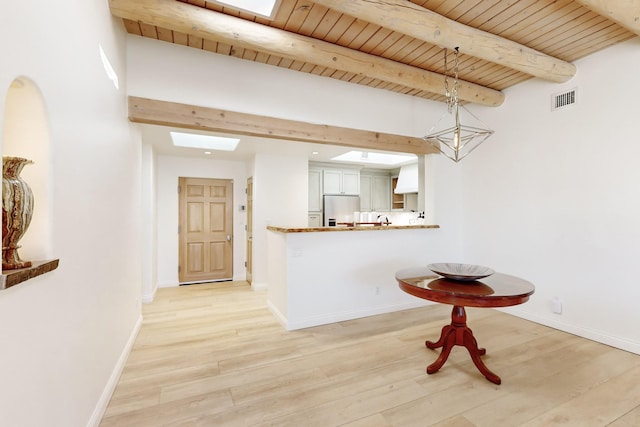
[{"x": 25, "y": 133}]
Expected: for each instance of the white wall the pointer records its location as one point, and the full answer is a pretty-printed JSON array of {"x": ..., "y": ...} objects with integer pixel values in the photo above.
[
  {"x": 149, "y": 217},
  {"x": 63, "y": 334},
  {"x": 324, "y": 277},
  {"x": 553, "y": 197},
  {"x": 194, "y": 76},
  {"x": 280, "y": 187},
  {"x": 169, "y": 169}
]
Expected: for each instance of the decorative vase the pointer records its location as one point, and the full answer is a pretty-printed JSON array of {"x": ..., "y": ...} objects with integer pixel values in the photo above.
[{"x": 17, "y": 210}]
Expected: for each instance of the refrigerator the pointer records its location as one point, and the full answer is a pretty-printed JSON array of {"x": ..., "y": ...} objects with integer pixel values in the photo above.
[{"x": 340, "y": 208}]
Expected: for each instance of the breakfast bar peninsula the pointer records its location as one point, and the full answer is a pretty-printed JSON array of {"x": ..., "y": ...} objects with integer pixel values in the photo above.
[{"x": 323, "y": 275}]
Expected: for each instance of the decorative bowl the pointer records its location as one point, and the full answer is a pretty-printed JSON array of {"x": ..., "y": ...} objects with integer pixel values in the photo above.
[{"x": 461, "y": 272}]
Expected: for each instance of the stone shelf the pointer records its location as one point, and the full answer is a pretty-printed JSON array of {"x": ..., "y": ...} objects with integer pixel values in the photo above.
[{"x": 13, "y": 277}]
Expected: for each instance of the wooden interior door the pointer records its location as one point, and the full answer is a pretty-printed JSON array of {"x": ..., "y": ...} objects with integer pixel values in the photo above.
[
  {"x": 249, "y": 264},
  {"x": 206, "y": 225}
]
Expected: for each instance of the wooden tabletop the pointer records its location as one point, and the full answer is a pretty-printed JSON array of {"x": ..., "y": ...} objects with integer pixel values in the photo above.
[{"x": 497, "y": 290}]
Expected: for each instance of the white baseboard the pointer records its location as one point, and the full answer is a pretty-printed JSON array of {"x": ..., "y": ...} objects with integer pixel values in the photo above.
[
  {"x": 147, "y": 298},
  {"x": 103, "y": 402},
  {"x": 325, "y": 319},
  {"x": 591, "y": 334},
  {"x": 281, "y": 317},
  {"x": 259, "y": 286}
]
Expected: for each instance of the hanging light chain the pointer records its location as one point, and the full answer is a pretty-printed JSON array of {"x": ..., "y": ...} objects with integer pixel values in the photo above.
[{"x": 451, "y": 94}]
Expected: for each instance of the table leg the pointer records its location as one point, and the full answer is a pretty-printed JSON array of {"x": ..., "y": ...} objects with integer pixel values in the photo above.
[{"x": 457, "y": 333}]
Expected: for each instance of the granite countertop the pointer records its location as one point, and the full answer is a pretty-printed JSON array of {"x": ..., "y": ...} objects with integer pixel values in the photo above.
[{"x": 344, "y": 228}]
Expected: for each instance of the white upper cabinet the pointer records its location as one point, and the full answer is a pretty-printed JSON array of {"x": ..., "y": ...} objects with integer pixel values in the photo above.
[
  {"x": 381, "y": 193},
  {"x": 336, "y": 181},
  {"x": 375, "y": 192},
  {"x": 315, "y": 190}
]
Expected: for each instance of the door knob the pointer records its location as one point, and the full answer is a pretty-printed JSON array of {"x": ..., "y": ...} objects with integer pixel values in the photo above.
[{"x": 228, "y": 237}]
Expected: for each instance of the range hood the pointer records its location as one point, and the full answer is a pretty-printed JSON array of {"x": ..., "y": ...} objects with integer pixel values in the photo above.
[{"x": 407, "y": 179}]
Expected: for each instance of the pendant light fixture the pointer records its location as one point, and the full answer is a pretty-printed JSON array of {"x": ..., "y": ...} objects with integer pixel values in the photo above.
[{"x": 454, "y": 139}]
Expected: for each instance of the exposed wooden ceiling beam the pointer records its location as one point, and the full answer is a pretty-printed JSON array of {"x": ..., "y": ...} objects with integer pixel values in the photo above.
[
  {"x": 410, "y": 19},
  {"x": 625, "y": 13},
  {"x": 155, "y": 112},
  {"x": 210, "y": 25}
]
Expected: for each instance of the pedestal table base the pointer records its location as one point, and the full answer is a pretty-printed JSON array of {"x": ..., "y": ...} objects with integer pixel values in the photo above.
[{"x": 457, "y": 333}]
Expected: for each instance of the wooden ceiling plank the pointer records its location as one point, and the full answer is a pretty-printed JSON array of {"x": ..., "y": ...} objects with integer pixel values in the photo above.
[
  {"x": 296, "y": 65},
  {"x": 576, "y": 34},
  {"x": 210, "y": 46},
  {"x": 354, "y": 30},
  {"x": 298, "y": 16},
  {"x": 236, "y": 51},
  {"x": 615, "y": 36},
  {"x": 180, "y": 38},
  {"x": 148, "y": 30},
  {"x": 408, "y": 50},
  {"x": 307, "y": 67},
  {"x": 391, "y": 40},
  {"x": 625, "y": 13},
  {"x": 282, "y": 14},
  {"x": 463, "y": 8},
  {"x": 213, "y": 6},
  {"x": 163, "y": 113},
  {"x": 274, "y": 60},
  {"x": 425, "y": 25},
  {"x": 494, "y": 16},
  {"x": 547, "y": 21},
  {"x": 375, "y": 39},
  {"x": 474, "y": 12},
  {"x": 249, "y": 54},
  {"x": 195, "y": 41},
  {"x": 132, "y": 27},
  {"x": 286, "y": 62},
  {"x": 315, "y": 16},
  {"x": 328, "y": 21},
  {"x": 513, "y": 16},
  {"x": 364, "y": 36},
  {"x": 340, "y": 27},
  {"x": 164, "y": 34},
  {"x": 245, "y": 34},
  {"x": 419, "y": 52},
  {"x": 224, "y": 48}
]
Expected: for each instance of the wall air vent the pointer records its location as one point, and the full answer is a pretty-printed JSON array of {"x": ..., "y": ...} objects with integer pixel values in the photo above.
[{"x": 563, "y": 99}]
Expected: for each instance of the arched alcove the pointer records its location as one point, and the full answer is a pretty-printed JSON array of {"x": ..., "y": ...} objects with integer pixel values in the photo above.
[{"x": 25, "y": 133}]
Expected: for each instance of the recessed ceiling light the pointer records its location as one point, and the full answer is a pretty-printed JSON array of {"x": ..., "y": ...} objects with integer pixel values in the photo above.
[
  {"x": 207, "y": 142},
  {"x": 258, "y": 7},
  {"x": 207, "y": 152},
  {"x": 314, "y": 152},
  {"x": 375, "y": 158}
]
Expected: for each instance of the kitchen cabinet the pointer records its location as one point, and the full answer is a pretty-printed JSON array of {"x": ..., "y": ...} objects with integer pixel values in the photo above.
[
  {"x": 411, "y": 202},
  {"x": 398, "y": 199},
  {"x": 341, "y": 181},
  {"x": 375, "y": 192},
  {"x": 315, "y": 220},
  {"x": 315, "y": 190}
]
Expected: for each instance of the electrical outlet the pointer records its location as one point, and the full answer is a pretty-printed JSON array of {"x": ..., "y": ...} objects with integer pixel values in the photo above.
[
  {"x": 377, "y": 290},
  {"x": 556, "y": 305}
]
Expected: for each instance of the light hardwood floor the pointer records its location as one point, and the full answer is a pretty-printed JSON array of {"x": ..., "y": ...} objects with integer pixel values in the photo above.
[{"x": 213, "y": 355}]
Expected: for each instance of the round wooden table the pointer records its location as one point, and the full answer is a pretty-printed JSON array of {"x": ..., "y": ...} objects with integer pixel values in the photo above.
[{"x": 497, "y": 290}]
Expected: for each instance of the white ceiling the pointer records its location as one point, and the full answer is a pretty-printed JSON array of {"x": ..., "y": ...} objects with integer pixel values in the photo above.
[{"x": 160, "y": 139}]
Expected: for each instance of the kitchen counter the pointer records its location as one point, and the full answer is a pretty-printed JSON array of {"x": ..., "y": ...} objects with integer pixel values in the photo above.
[
  {"x": 326, "y": 274},
  {"x": 347, "y": 228}
]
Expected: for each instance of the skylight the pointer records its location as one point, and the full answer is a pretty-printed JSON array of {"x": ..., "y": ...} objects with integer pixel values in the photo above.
[
  {"x": 205, "y": 142},
  {"x": 258, "y": 7},
  {"x": 375, "y": 158}
]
